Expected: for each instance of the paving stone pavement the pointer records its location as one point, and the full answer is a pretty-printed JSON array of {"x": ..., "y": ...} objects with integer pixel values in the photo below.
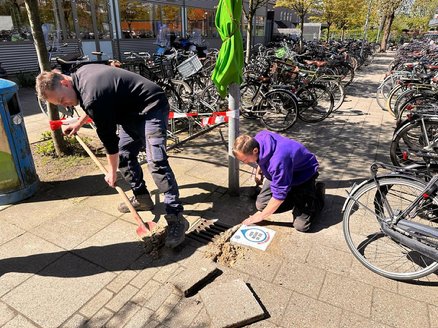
[{"x": 69, "y": 259}]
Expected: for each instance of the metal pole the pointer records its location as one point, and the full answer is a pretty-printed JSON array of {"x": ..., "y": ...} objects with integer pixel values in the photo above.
[
  {"x": 233, "y": 132},
  {"x": 95, "y": 30}
]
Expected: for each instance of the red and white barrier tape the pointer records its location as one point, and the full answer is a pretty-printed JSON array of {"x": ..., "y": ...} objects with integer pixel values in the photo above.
[{"x": 213, "y": 118}]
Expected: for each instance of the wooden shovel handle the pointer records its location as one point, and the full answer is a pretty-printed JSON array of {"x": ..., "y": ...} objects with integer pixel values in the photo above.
[{"x": 119, "y": 190}]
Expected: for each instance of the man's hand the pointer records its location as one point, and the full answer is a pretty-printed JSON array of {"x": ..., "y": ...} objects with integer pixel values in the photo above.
[
  {"x": 257, "y": 217},
  {"x": 71, "y": 129},
  {"x": 111, "y": 179},
  {"x": 258, "y": 178}
]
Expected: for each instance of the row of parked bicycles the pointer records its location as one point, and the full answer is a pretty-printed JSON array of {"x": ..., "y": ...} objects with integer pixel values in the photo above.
[
  {"x": 390, "y": 221},
  {"x": 280, "y": 85}
]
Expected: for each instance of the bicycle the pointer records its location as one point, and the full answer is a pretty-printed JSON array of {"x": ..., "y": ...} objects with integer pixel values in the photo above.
[
  {"x": 277, "y": 109},
  {"x": 390, "y": 223}
]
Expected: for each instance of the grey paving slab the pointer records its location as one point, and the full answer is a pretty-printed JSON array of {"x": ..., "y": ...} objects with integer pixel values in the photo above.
[
  {"x": 140, "y": 318},
  {"x": 146, "y": 292},
  {"x": 347, "y": 293},
  {"x": 70, "y": 228},
  {"x": 6, "y": 313},
  {"x": 167, "y": 307},
  {"x": 386, "y": 308},
  {"x": 360, "y": 273},
  {"x": 184, "y": 312},
  {"x": 96, "y": 303},
  {"x": 114, "y": 247},
  {"x": 302, "y": 278},
  {"x": 122, "y": 279},
  {"x": 201, "y": 320},
  {"x": 159, "y": 297},
  {"x": 121, "y": 298},
  {"x": 260, "y": 263},
  {"x": 21, "y": 322},
  {"x": 22, "y": 257},
  {"x": 75, "y": 321},
  {"x": 426, "y": 290},
  {"x": 433, "y": 316},
  {"x": 330, "y": 259},
  {"x": 274, "y": 298},
  {"x": 244, "y": 310},
  {"x": 190, "y": 280},
  {"x": 49, "y": 298},
  {"x": 35, "y": 210},
  {"x": 353, "y": 320},
  {"x": 123, "y": 316},
  {"x": 100, "y": 318},
  {"x": 304, "y": 311},
  {"x": 9, "y": 231}
]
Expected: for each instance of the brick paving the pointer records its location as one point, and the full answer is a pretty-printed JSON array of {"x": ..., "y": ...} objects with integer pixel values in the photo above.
[{"x": 69, "y": 259}]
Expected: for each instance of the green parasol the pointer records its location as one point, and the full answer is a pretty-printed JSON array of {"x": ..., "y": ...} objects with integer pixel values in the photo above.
[{"x": 229, "y": 63}]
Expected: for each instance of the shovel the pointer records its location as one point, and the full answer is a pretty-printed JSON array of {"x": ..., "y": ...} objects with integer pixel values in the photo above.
[{"x": 142, "y": 230}]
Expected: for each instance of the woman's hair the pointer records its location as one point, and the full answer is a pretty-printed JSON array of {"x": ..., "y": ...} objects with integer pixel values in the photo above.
[
  {"x": 47, "y": 81},
  {"x": 245, "y": 144}
]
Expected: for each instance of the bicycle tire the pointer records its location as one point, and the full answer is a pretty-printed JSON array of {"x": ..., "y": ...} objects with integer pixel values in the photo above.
[
  {"x": 64, "y": 112},
  {"x": 364, "y": 213},
  {"x": 279, "y": 110},
  {"x": 417, "y": 104},
  {"x": 409, "y": 141},
  {"x": 315, "y": 103},
  {"x": 392, "y": 98},
  {"x": 211, "y": 101},
  {"x": 336, "y": 88},
  {"x": 250, "y": 97}
]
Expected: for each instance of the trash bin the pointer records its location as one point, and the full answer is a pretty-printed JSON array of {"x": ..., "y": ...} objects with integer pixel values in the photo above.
[{"x": 18, "y": 178}]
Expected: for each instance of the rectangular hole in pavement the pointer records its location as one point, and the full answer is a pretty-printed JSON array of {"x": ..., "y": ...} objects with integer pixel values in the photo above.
[{"x": 204, "y": 231}]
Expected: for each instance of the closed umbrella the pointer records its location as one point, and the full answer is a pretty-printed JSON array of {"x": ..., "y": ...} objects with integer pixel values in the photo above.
[{"x": 228, "y": 74}]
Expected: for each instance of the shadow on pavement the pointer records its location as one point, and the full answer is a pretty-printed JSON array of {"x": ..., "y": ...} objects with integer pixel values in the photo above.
[{"x": 108, "y": 258}]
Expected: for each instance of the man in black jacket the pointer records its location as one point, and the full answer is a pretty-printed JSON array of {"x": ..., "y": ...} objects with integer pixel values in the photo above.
[{"x": 119, "y": 100}]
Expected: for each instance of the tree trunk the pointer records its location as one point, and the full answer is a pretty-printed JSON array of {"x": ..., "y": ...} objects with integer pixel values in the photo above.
[
  {"x": 328, "y": 32},
  {"x": 43, "y": 61},
  {"x": 251, "y": 13},
  {"x": 386, "y": 31},
  {"x": 302, "y": 33}
]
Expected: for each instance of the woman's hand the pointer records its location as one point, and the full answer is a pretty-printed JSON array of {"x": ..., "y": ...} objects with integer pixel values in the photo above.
[{"x": 257, "y": 217}]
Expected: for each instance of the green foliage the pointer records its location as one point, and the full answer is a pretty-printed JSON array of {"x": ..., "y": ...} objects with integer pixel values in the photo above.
[
  {"x": 47, "y": 148},
  {"x": 26, "y": 79}
]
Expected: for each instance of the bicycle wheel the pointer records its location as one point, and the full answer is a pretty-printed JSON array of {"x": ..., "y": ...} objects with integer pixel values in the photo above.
[
  {"x": 410, "y": 139},
  {"x": 278, "y": 110},
  {"x": 368, "y": 209},
  {"x": 315, "y": 103},
  {"x": 211, "y": 101},
  {"x": 250, "y": 98},
  {"x": 64, "y": 112},
  {"x": 336, "y": 88}
]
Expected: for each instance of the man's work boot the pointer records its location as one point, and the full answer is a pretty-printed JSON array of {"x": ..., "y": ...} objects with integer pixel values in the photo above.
[
  {"x": 141, "y": 202},
  {"x": 320, "y": 193},
  {"x": 177, "y": 226}
]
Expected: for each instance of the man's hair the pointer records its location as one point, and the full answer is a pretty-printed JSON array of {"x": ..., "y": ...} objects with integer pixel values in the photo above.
[
  {"x": 245, "y": 144},
  {"x": 47, "y": 81}
]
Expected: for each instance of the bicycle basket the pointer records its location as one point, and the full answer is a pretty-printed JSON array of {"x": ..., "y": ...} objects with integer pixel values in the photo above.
[{"x": 189, "y": 66}]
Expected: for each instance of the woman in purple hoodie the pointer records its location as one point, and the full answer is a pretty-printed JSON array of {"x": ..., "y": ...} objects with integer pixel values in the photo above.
[{"x": 290, "y": 170}]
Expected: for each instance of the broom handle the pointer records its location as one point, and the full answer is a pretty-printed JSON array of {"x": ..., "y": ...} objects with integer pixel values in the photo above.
[{"x": 104, "y": 171}]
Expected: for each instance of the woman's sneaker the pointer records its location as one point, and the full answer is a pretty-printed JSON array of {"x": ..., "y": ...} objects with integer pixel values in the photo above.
[{"x": 141, "y": 202}]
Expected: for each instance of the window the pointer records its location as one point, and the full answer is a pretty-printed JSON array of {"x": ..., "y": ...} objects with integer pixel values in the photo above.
[
  {"x": 85, "y": 20},
  {"x": 259, "y": 26},
  {"x": 201, "y": 21},
  {"x": 142, "y": 19}
]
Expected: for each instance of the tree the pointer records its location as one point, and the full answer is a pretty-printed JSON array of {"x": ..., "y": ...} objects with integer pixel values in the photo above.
[
  {"x": 327, "y": 14},
  {"x": 302, "y": 8},
  {"x": 43, "y": 60},
  {"x": 388, "y": 9},
  {"x": 253, "y": 6}
]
